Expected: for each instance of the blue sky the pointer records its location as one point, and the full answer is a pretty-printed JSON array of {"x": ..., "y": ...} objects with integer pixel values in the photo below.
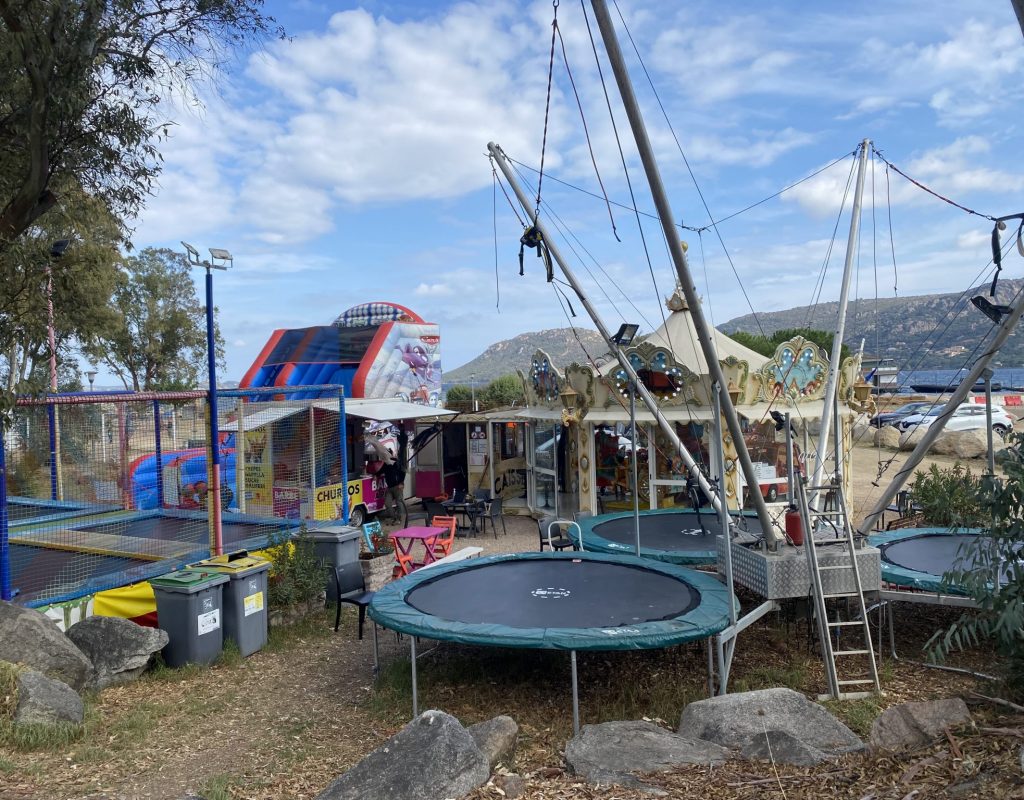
[{"x": 348, "y": 164}]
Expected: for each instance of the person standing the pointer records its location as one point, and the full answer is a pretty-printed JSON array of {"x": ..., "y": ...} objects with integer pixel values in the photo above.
[{"x": 394, "y": 482}]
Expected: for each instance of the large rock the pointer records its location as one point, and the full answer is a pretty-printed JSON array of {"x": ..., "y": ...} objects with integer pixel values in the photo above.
[
  {"x": 963, "y": 444},
  {"x": 431, "y": 758},
  {"x": 496, "y": 739},
  {"x": 911, "y": 725},
  {"x": 742, "y": 721},
  {"x": 46, "y": 701},
  {"x": 119, "y": 649},
  {"x": 910, "y": 438},
  {"x": 31, "y": 638},
  {"x": 609, "y": 752},
  {"x": 888, "y": 436},
  {"x": 782, "y": 747}
]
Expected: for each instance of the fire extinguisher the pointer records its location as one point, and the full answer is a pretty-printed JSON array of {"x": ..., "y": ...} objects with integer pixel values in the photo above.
[{"x": 794, "y": 526}]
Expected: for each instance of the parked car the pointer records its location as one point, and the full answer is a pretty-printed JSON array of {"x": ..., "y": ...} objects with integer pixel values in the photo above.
[
  {"x": 897, "y": 415},
  {"x": 968, "y": 417}
]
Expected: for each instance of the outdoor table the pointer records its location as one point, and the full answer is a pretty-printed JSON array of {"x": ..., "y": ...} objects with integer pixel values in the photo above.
[
  {"x": 406, "y": 538},
  {"x": 464, "y": 509}
]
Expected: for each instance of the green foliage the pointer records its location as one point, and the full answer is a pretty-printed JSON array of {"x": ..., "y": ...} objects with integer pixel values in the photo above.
[
  {"x": 504, "y": 391},
  {"x": 999, "y": 617},
  {"x": 296, "y": 574},
  {"x": 766, "y": 345},
  {"x": 459, "y": 395},
  {"x": 949, "y": 497},
  {"x": 157, "y": 337},
  {"x": 83, "y": 86}
]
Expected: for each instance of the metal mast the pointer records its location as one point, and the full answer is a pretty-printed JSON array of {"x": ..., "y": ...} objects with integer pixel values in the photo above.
[
  {"x": 832, "y": 385},
  {"x": 502, "y": 161},
  {"x": 660, "y": 197}
]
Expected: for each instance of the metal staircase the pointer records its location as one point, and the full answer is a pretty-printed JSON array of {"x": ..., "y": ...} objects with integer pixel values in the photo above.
[{"x": 834, "y": 585}]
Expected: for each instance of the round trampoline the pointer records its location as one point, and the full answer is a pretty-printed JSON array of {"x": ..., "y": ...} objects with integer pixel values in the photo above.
[
  {"x": 559, "y": 601},
  {"x": 672, "y": 536},
  {"x": 917, "y": 558}
]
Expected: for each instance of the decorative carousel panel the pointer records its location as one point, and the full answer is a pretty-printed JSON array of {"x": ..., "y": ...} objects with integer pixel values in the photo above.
[
  {"x": 661, "y": 376},
  {"x": 544, "y": 379},
  {"x": 798, "y": 370}
]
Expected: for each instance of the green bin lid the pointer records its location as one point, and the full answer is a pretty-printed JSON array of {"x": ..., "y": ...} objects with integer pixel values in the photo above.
[
  {"x": 234, "y": 563},
  {"x": 188, "y": 581}
]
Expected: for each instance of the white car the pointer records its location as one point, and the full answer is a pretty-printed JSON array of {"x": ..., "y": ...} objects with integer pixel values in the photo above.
[{"x": 968, "y": 417}]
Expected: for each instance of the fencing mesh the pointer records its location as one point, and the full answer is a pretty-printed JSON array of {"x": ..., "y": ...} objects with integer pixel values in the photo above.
[{"x": 106, "y": 490}]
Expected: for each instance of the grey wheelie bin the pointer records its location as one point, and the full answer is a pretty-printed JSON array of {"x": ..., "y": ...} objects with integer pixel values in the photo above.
[
  {"x": 189, "y": 606},
  {"x": 245, "y": 597}
]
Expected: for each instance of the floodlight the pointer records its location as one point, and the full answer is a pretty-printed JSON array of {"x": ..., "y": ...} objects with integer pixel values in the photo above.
[
  {"x": 625, "y": 334},
  {"x": 220, "y": 253},
  {"x": 58, "y": 247},
  {"x": 193, "y": 253},
  {"x": 991, "y": 310}
]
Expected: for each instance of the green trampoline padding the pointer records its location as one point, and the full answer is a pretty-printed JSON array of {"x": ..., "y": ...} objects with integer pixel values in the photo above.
[
  {"x": 917, "y": 558},
  {"x": 559, "y": 601}
]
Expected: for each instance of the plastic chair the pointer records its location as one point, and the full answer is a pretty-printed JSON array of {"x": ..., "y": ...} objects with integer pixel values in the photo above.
[
  {"x": 560, "y": 542},
  {"x": 443, "y": 544},
  {"x": 405, "y": 563},
  {"x": 371, "y": 529},
  {"x": 494, "y": 512},
  {"x": 348, "y": 581}
]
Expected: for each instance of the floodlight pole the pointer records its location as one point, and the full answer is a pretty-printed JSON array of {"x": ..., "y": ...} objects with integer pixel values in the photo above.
[
  {"x": 660, "y": 197},
  {"x": 214, "y": 504}
]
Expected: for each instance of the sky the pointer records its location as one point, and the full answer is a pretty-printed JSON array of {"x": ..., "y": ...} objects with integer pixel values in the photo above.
[{"x": 347, "y": 163}]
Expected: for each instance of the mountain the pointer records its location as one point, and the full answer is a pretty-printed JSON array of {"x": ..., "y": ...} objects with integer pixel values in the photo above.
[
  {"x": 505, "y": 357},
  {"x": 931, "y": 331}
]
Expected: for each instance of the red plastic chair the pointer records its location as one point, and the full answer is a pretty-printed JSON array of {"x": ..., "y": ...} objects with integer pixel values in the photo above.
[{"x": 443, "y": 544}]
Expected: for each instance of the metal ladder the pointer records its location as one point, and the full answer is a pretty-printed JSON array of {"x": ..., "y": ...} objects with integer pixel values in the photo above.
[{"x": 810, "y": 517}]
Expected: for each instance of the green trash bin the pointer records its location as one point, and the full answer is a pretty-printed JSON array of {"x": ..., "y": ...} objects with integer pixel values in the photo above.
[
  {"x": 245, "y": 597},
  {"x": 189, "y": 606}
]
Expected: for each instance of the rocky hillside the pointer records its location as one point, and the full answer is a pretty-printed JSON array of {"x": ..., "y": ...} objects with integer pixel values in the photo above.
[
  {"x": 505, "y": 357},
  {"x": 931, "y": 331}
]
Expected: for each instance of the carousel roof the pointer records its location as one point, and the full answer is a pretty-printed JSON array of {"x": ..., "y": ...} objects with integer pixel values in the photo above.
[{"x": 678, "y": 335}]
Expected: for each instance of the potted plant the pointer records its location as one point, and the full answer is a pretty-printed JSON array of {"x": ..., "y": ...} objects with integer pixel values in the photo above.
[{"x": 376, "y": 558}]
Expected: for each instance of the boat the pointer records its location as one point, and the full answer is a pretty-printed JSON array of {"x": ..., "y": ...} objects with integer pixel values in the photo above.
[{"x": 942, "y": 388}]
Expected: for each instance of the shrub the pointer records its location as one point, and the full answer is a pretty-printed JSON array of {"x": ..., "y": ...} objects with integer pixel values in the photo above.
[
  {"x": 949, "y": 497},
  {"x": 999, "y": 617},
  {"x": 296, "y": 574}
]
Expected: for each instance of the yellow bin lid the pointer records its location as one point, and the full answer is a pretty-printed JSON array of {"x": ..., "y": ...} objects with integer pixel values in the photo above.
[{"x": 233, "y": 563}]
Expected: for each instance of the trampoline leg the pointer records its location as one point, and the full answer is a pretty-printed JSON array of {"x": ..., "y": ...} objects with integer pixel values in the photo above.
[
  {"x": 376, "y": 655},
  {"x": 711, "y": 670},
  {"x": 575, "y": 695},
  {"x": 415, "y": 697},
  {"x": 723, "y": 666}
]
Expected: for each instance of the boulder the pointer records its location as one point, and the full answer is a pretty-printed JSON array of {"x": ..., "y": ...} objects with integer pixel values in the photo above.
[
  {"x": 888, "y": 437},
  {"x": 609, "y": 752},
  {"x": 33, "y": 639},
  {"x": 910, "y": 438},
  {"x": 741, "y": 721},
  {"x": 911, "y": 725},
  {"x": 119, "y": 649},
  {"x": 431, "y": 758},
  {"x": 963, "y": 444},
  {"x": 496, "y": 739},
  {"x": 782, "y": 747},
  {"x": 46, "y": 701}
]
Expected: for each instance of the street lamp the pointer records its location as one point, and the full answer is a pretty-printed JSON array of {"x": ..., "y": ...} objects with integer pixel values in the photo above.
[
  {"x": 219, "y": 259},
  {"x": 472, "y": 391},
  {"x": 91, "y": 375},
  {"x": 623, "y": 337}
]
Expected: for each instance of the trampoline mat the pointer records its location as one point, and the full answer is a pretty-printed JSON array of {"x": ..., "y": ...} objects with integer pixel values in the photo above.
[
  {"x": 38, "y": 570},
  {"x": 557, "y": 593},
  {"x": 934, "y": 554},
  {"x": 177, "y": 529},
  {"x": 669, "y": 530},
  {"x": 19, "y": 511}
]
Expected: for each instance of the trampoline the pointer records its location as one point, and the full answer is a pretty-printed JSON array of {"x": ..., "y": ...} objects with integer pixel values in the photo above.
[
  {"x": 52, "y": 563},
  {"x": 917, "y": 558},
  {"x": 672, "y": 536},
  {"x": 557, "y": 601},
  {"x": 30, "y": 510}
]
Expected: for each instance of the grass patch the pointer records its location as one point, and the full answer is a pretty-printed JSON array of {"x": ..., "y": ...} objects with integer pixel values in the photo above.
[
  {"x": 792, "y": 675},
  {"x": 230, "y": 656},
  {"x": 857, "y": 714},
  {"x": 218, "y": 788},
  {"x": 7, "y": 766},
  {"x": 8, "y": 690},
  {"x": 314, "y": 626},
  {"x": 33, "y": 736}
]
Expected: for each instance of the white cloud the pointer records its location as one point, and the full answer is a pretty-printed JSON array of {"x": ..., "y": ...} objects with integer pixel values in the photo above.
[{"x": 433, "y": 290}]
